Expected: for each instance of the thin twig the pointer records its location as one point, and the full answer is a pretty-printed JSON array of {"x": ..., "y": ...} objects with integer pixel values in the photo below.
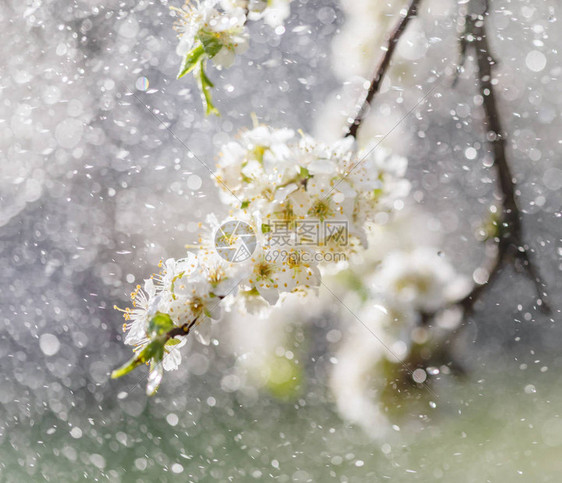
[
  {"x": 182, "y": 330},
  {"x": 463, "y": 43},
  {"x": 383, "y": 66},
  {"x": 511, "y": 246}
]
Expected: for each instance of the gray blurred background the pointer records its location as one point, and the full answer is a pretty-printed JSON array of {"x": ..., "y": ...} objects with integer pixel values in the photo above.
[{"x": 95, "y": 190}]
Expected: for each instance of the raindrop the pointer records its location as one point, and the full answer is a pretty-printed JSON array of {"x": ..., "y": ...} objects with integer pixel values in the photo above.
[
  {"x": 530, "y": 389},
  {"x": 535, "y": 61},
  {"x": 142, "y": 84},
  {"x": 172, "y": 419},
  {"x": 419, "y": 376},
  {"x": 49, "y": 344},
  {"x": 194, "y": 182},
  {"x": 470, "y": 153}
]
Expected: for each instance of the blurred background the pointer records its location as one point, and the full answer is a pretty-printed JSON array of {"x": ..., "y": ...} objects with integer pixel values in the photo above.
[{"x": 95, "y": 190}]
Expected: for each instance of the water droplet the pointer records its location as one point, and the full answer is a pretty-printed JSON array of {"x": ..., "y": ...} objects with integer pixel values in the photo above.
[
  {"x": 530, "y": 389},
  {"x": 419, "y": 375},
  {"x": 142, "y": 84},
  {"x": 194, "y": 182},
  {"x": 49, "y": 344},
  {"x": 535, "y": 61}
]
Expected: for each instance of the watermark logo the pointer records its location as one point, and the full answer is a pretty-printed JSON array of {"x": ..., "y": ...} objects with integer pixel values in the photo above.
[
  {"x": 284, "y": 241},
  {"x": 307, "y": 233},
  {"x": 235, "y": 241},
  {"x": 298, "y": 242}
]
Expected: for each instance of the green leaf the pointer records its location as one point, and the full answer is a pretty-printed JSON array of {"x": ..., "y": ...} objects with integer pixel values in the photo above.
[
  {"x": 211, "y": 43},
  {"x": 160, "y": 324},
  {"x": 191, "y": 60},
  {"x": 127, "y": 367},
  {"x": 206, "y": 86},
  {"x": 153, "y": 351}
]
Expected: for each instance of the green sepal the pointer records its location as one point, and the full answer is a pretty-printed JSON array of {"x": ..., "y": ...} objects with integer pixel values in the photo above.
[
  {"x": 245, "y": 204},
  {"x": 159, "y": 324},
  {"x": 253, "y": 292},
  {"x": 154, "y": 351},
  {"x": 191, "y": 60},
  {"x": 211, "y": 44}
]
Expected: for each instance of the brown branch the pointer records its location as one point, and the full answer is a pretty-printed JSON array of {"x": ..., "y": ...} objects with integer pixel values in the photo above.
[
  {"x": 182, "y": 330},
  {"x": 383, "y": 66},
  {"x": 511, "y": 246}
]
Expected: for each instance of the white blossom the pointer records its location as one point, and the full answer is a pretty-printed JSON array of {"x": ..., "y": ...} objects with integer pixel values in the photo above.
[
  {"x": 282, "y": 176},
  {"x": 172, "y": 355},
  {"x": 220, "y": 33},
  {"x": 356, "y": 47},
  {"x": 356, "y": 381},
  {"x": 145, "y": 305},
  {"x": 276, "y": 12},
  {"x": 421, "y": 278},
  {"x": 271, "y": 175}
]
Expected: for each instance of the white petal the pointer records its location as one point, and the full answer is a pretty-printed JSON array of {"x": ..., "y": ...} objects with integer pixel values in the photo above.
[
  {"x": 154, "y": 378},
  {"x": 172, "y": 359},
  {"x": 269, "y": 294},
  {"x": 203, "y": 333}
]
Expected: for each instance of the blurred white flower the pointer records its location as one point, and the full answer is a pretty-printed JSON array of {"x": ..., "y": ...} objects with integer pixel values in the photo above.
[
  {"x": 276, "y": 13},
  {"x": 421, "y": 279},
  {"x": 356, "y": 46},
  {"x": 353, "y": 382}
]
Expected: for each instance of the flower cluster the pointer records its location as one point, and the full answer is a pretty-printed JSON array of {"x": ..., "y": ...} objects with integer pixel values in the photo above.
[
  {"x": 184, "y": 294},
  {"x": 282, "y": 176},
  {"x": 267, "y": 175},
  {"x": 215, "y": 30}
]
